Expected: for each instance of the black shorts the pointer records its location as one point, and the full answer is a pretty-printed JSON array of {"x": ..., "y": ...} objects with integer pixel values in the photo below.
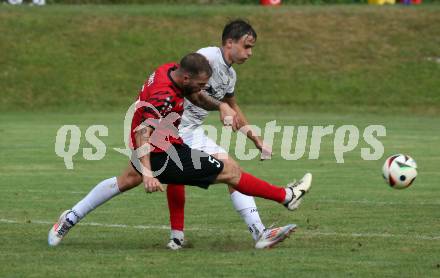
[{"x": 193, "y": 167}]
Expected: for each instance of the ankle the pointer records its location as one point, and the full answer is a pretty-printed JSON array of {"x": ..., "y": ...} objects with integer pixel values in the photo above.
[
  {"x": 289, "y": 194},
  {"x": 177, "y": 234}
]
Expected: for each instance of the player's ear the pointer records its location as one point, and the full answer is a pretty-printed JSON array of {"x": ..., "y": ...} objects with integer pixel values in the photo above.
[
  {"x": 186, "y": 78},
  {"x": 228, "y": 42}
]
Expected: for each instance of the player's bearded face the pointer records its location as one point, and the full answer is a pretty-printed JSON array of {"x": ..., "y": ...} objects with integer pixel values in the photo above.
[
  {"x": 242, "y": 49},
  {"x": 195, "y": 84}
]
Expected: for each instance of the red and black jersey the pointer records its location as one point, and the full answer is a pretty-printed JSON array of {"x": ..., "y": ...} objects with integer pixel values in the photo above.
[{"x": 159, "y": 97}]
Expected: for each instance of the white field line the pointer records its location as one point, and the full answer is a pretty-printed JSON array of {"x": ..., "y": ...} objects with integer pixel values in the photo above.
[
  {"x": 138, "y": 227},
  {"x": 163, "y": 227}
]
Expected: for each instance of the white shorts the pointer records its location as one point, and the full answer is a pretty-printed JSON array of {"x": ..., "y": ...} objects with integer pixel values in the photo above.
[{"x": 197, "y": 139}]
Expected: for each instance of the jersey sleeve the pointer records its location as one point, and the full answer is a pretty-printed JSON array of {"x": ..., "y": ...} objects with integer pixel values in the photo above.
[{"x": 209, "y": 53}]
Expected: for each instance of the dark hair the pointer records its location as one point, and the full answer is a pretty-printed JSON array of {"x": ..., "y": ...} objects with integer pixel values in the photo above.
[
  {"x": 195, "y": 64},
  {"x": 236, "y": 29}
]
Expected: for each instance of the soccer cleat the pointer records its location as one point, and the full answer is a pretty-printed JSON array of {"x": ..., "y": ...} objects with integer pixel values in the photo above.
[
  {"x": 298, "y": 189},
  {"x": 175, "y": 244},
  {"x": 273, "y": 236},
  {"x": 59, "y": 229}
]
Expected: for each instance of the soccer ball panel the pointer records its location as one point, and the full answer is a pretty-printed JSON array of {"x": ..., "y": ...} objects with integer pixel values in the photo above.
[{"x": 399, "y": 171}]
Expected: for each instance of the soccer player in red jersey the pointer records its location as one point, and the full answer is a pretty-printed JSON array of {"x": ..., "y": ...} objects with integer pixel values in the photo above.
[{"x": 159, "y": 155}]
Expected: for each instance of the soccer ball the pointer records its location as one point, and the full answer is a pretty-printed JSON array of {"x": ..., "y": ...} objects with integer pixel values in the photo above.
[{"x": 399, "y": 171}]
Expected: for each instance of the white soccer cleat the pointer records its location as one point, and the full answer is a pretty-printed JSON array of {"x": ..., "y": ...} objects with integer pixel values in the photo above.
[
  {"x": 298, "y": 189},
  {"x": 59, "y": 229},
  {"x": 273, "y": 236},
  {"x": 175, "y": 244}
]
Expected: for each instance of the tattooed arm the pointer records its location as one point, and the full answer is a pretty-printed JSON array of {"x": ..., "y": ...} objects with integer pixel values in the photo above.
[
  {"x": 142, "y": 137},
  {"x": 205, "y": 101}
]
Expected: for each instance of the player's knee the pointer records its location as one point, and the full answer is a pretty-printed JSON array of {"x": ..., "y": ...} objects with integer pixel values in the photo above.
[
  {"x": 134, "y": 180},
  {"x": 128, "y": 181},
  {"x": 231, "y": 172}
]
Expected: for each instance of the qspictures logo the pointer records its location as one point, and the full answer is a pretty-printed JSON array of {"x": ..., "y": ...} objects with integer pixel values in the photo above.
[{"x": 297, "y": 142}]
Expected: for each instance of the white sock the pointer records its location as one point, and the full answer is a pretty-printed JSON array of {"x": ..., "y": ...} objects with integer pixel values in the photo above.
[
  {"x": 246, "y": 207},
  {"x": 100, "y": 194},
  {"x": 288, "y": 197},
  {"x": 177, "y": 234}
]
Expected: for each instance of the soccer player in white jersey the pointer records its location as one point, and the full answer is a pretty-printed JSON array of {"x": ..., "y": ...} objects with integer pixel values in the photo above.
[{"x": 238, "y": 39}]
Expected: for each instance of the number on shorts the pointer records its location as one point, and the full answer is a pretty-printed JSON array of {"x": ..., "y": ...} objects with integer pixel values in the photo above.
[{"x": 214, "y": 161}]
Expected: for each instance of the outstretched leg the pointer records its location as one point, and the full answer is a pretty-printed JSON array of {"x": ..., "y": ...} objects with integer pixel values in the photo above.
[
  {"x": 100, "y": 194},
  {"x": 250, "y": 185}
]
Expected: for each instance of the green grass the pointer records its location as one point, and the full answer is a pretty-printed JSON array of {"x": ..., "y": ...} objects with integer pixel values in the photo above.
[
  {"x": 351, "y": 224},
  {"x": 332, "y": 57},
  {"x": 332, "y": 65}
]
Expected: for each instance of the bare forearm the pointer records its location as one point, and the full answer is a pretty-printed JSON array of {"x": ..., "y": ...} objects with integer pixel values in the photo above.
[
  {"x": 143, "y": 151},
  {"x": 243, "y": 122}
]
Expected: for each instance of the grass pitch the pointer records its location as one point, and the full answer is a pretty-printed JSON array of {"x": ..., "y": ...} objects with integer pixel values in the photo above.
[
  {"x": 335, "y": 57},
  {"x": 351, "y": 224},
  {"x": 322, "y": 65}
]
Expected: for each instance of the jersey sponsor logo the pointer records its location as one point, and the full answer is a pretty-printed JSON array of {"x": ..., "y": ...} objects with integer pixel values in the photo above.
[
  {"x": 223, "y": 77},
  {"x": 220, "y": 81}
]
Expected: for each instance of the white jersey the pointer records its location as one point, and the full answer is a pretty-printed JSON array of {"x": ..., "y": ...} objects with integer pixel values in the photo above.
[{"x": 221, "y": 83}]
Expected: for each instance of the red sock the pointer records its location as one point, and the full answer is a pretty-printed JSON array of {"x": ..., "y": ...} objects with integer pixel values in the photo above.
[
  {"x": 176, "y": 205},
  {"x": 253, "y": 186}
]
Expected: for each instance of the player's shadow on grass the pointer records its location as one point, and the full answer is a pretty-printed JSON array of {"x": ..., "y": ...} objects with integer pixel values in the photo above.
[
  {"x": 85, "y": 238},
  {"x": 149, "y": 244}
]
